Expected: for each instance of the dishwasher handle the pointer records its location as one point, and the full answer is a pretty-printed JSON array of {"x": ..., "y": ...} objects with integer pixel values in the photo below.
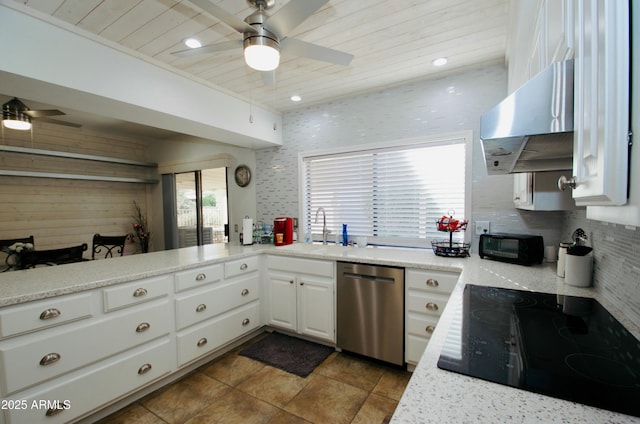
[{"x": 372, "y": 278}]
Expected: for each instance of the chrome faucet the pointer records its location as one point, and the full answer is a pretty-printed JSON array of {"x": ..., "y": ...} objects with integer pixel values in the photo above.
[{"x": 324, "y": 224}]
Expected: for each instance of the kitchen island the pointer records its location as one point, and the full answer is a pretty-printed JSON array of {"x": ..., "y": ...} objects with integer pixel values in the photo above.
[{"x": 433, "y": 395}]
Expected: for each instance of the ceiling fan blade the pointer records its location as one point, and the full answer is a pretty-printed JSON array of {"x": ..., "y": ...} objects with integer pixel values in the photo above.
[
  {"x": 56, "y": 122},
  {"x": 43, "y": 112},
  {"x": 211, "y": 48},
  {"x": 313, "y": 51},
  {"x": 291, "y": 15},
  {"x": 224, "y": 16}
]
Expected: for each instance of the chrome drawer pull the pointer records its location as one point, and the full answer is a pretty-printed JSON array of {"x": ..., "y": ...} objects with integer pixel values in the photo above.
[
  {"x": 201, "y": 307},
  {"x": 243, "y": 267},
  {"x": 50, "y": 358},
  {"x": 246, "y": 321},
  {"x": 201, "y": 276},
  {"x": 144, "y": 369},
  {"x": 54, "y": 411},
  {"x": 244, "y": 292},
  {"x": 140, "y": 292},
  {"x": 430, "y": 329},
  {"x": 50, "y": 313},
  {"x": 143, "y": 327},
  {"x": 432, "y": 306},
  {"x": 202, "y": 342},
  {"x": 432, "y": 283}
]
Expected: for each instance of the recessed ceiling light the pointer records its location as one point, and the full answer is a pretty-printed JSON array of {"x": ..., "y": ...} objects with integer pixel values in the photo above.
[
  {"x": 295, "y": 98},
  {"x": 441, "y": 61},
  {"x": 192, "y": 43}
]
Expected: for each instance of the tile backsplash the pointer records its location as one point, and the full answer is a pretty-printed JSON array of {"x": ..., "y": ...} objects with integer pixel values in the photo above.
[{"x": 616, "y": 251}]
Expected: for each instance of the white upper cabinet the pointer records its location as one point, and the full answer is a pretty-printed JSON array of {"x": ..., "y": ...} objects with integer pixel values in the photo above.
[{"x": 601, "y": 102}]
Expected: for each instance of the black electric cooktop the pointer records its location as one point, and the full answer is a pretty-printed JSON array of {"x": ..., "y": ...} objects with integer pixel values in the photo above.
[{"x": 562, "y": 346}]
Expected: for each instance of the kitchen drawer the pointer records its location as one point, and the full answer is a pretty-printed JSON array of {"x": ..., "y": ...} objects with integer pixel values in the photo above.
[
  {"x": 426, "y": 303},
  {"x": 140, "y": 291},
  {"x": 33, "y": 316},
  {"x": 133, "y": 371},
  {"x": 198, "y": 277},
  {"x": 35, "y": 358},
  {"x": 431, "y": 280},
  {"x": 241, "y": 266},
  {"x": 205, "y": 304},
  {"x": 421, "y": 325},
  {"x": 414, "y": 348},
  {"x": 210, "y": 335},
  {"x": 302, "y": 266}
]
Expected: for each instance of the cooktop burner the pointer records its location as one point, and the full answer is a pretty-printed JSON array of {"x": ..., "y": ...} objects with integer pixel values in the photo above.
[{"x": 562, "y": 346}]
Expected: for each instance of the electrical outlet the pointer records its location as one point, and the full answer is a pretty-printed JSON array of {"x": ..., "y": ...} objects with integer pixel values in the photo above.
[{"x": 482, "y": 227}]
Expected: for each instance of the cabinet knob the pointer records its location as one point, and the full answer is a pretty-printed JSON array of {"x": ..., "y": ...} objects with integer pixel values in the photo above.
[
  {"x": 244, "y": 292},
  {"x": 140, "y": 292},
  {"x": 50, "y": 313},
  {"x": 201, "y": 276},
  {"x": 143, "y": 327},
  {"x": 202, "y": 342},
  {"x": 246, "y": 321},
  {"x": 432, "y": 282},
  {"x": 244, "y": 266},
  {"x": 564, "y": 183},
  {"x": 429, "y": 329},
  {"x": 144, "y": 369},
  {"x": 291, "y": 282},
  {"x": 50, "y": 358},
  {"x": 201, "y": 307},
  {"x": 301, "y": 283},
  {"x": 432, "y": 306}
]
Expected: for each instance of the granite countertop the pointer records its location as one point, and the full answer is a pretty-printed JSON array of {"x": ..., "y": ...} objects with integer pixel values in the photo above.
[{"x": 432, "y": 395}]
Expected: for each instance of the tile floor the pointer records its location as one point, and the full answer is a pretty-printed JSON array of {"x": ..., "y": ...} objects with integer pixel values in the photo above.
[{"x": 235, "y": 389}]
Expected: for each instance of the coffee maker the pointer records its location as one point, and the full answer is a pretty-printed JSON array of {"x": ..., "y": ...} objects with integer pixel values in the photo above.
[{"x": 282, "y": 230}]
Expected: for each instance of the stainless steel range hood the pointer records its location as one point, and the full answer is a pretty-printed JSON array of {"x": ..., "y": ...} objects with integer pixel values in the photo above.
[{"x": 532, "y": 129}]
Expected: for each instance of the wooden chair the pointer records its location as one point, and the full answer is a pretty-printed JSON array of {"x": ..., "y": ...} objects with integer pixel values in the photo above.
[
  {"x": 66, "y": 255},
  {"x": 9, "y": 258},
  {"x": 110, "y": 246}
]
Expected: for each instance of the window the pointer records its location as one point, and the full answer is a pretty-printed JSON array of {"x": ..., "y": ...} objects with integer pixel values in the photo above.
[{"x": 393, "y": 195}]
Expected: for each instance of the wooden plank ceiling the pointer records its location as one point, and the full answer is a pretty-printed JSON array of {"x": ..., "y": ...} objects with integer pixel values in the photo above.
[{"x": 393, "y": 41}]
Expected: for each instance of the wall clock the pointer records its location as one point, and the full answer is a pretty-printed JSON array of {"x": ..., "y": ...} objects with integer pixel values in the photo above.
[{"x": 243, "y": 175}]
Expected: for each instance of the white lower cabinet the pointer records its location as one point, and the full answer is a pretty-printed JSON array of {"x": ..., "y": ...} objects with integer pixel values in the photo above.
[
  {"x": 427, "y": 293},
  {"x": 301, "y": 296},
  {"x": 80, "y": 393}
]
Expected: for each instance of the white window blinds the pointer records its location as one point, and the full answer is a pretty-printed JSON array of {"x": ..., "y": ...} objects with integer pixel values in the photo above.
[{"x": 392, "y": 195}]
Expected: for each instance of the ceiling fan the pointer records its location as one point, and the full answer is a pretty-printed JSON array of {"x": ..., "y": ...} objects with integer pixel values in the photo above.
[
  {"x": 265, "y": 36},
  {"x": 16, "y": 115}
]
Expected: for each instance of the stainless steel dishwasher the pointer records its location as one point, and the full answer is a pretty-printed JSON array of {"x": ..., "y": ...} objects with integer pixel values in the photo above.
[{"x": 370, "y": 316}]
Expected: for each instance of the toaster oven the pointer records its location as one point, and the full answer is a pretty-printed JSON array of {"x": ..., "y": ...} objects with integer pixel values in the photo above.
[{"x": 513, "y": 248}]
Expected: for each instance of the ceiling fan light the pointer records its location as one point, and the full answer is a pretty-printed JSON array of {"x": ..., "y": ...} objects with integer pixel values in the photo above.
[
  {"x": 13, "y": 118},
  {"x": 261, "y": 53}
]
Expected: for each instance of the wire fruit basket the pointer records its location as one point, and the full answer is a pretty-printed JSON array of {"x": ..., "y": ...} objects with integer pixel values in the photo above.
[{"x": 450, "y": 248}]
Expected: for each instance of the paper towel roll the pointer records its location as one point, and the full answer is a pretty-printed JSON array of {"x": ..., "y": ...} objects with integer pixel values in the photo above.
[{"x": 247, "y": 231}]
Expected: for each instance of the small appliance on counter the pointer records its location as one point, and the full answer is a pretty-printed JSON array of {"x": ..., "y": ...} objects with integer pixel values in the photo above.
[
  {"x": 247, "y": 231},
  {"x": 513, "y": 248},
  {"x": 282, "y": 230}
]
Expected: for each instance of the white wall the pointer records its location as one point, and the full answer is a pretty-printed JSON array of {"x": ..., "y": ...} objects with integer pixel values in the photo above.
[{"x": 437, "y": 106}]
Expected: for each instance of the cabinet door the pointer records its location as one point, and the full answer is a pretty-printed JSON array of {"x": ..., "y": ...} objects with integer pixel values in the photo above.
[
  {"x": 316, "y": 308},
  {"x": 559, "y": 16},
  {"x": 601, "y": 90},
  {"x": 282, "y": 301}
]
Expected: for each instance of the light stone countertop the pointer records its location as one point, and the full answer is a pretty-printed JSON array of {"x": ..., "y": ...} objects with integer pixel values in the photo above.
[{"x": 432, "y": 395}]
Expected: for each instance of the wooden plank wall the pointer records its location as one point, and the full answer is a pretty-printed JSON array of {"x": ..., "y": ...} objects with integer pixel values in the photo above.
[{"x": 65, "y": 212}]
